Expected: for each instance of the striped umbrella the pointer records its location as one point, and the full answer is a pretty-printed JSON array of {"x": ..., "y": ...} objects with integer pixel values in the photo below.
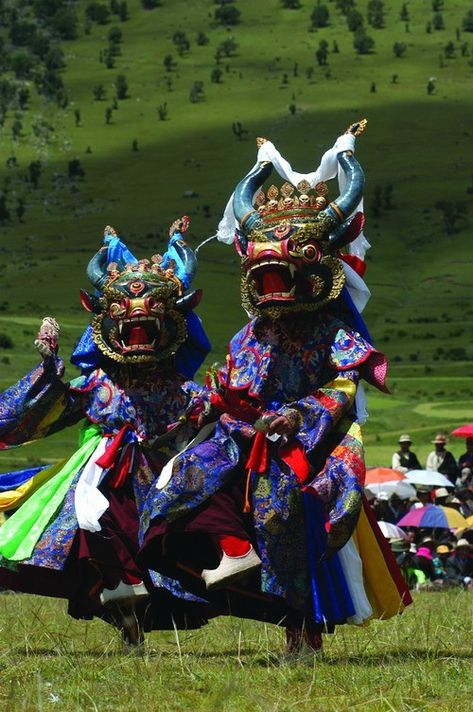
[
  {"x": 379, "y": 475},
  {"x": 433, "y": 516}
]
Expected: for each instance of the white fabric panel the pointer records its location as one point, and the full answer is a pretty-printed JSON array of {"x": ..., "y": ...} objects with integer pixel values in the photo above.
[
  {"x": 89, "y": 502},
  {"x": 353, "y": 570}
]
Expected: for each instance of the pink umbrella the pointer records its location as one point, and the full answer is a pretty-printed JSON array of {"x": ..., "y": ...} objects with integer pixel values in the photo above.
[{"x": 464, "y": 431}]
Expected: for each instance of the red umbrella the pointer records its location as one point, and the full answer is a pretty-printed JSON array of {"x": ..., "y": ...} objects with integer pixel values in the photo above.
[
  {"x": 378, "y": 475},
  {"x": 464, "y": 431}
]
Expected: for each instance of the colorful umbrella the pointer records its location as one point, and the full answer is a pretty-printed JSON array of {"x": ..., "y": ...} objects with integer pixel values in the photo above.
[
  {"x": 378, "y": 475},
  {"x": 391, "y": 531},
  {"x": 433, "y": 516},
  {"x": 401, "y": 488},
  {"x": 464, "y": 431},
  {"x": 428, "y": 477}
]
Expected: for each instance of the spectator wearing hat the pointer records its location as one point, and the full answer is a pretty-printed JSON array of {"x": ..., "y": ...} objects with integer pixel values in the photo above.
[
  {"x": 441, "y": 460},
  {"x": 423, "y": 561},
  {"x": 404, "y": 460},
  {"x": 441, "y": 494},
  {"x": 459, "y": 565}
]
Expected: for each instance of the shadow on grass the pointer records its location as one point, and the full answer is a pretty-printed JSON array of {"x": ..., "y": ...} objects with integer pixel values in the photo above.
[
  {"x": 259, "y": 659},
  {"x": 398, "y": 656}
]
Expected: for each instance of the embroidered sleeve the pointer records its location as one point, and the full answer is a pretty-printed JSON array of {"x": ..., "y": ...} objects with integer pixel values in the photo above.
[
  {"x": 350, "y": 350},
  {"x": 319, "y": 413},
  {"x": 38, "y": 405}
]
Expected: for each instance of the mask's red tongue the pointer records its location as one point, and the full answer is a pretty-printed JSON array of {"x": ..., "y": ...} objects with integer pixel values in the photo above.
[
  {"x": 138, "y": 335},
  {"x": 273, "y": 282}
]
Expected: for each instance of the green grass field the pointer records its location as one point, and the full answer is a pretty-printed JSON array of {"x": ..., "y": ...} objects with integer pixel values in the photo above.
[
  {"x": 420, "y": 661},
  {"x": 420, "y": 276}
]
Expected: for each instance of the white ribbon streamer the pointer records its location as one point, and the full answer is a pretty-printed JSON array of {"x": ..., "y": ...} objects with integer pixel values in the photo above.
[
  {"x": 89, "y": 502},
  {"x": 352, "y": 566}
]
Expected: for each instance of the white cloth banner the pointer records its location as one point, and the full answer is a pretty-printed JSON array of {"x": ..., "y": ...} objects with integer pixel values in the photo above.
[
  {"x": 89, "y": 502},
  {"x": 166, "y": 472},
  {"x": 352, "y": 566},
  {"x": 328, "y": 169}
]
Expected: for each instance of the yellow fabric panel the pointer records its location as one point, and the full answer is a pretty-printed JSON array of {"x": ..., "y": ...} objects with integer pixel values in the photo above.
[
  {"x": 380, "y": 588},
  {"x": 51, "y": 416},
  {"x": 13, "y": 498},
  {"x": 343, "y": 384}
]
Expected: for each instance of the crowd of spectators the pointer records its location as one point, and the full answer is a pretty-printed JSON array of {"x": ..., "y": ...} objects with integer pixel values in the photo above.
[{"x": 433, "y": 558}]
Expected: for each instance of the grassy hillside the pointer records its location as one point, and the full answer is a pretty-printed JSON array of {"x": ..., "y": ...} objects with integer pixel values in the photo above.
[{"x": 419, "y": 266}]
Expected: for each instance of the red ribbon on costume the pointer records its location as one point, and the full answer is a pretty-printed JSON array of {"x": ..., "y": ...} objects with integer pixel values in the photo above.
[
  {"x": 355, "y": 263},
  {"x": 293, "y": 454},
  {"x": 109, "y": 458}
]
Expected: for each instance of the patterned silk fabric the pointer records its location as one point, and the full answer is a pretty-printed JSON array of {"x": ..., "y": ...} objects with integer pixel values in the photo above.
[
  {"x": 312, "y": 368},
  {"x": 40, "y": 404}
]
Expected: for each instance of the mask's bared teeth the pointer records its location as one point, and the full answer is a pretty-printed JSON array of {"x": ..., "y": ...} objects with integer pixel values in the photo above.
[
  {"x": 153, "y": 343},
  {"x": 292, "y": 270},
  {"x": 158, "y": 325},
  {"x": 120, "y": 326}
]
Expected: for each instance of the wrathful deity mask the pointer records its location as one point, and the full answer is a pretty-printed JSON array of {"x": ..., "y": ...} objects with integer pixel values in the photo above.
[
  {"x": 289, "y": 244},
  {"x": 140, "y": 310}
]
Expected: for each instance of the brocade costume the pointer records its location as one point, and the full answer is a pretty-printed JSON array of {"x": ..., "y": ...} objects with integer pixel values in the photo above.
[{"x": 297, "y": 498}]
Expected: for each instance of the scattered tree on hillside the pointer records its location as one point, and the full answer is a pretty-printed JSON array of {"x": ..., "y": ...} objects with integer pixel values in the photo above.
[
  {"x": 430, "y": 86},
  {"x": 321, "y": 53},
  {"x": 123, "y": 11},
  {"x": 99, "y": 92},
  {"x": 375, "y": 14},
  {"x": 34, "y": 170},
  {"x": 20, "y": 209},
  {"x": 134, "y": 145},
  {"x": 363, "y": 43},
  {"x": 453, "y": 215},
  {"x": 109, "y": 60},
  {"x": 399, "y": 49},
  {"x": 65, "y": 23},
  {"x": 228, "y": 48},
  {"x": 437, "y": 21},
  {"x": 97, "y": 12},
  {"x": 181, "y": 42},
  {"x": 468, "y": 21},
  {"x": 335, "y": 47},
  {"x": 345, "y": 6},
  {"x": 437, "y": 5},
  {"x": 216, "y": 76},
  {"x": 201, "y": 39},
  {"x": 22, "y": 64},
  {"x": 404, "y": 14},
  {"x": 168, "y": 62},
  {"x": 23, "y": 97},
  {"x": 291, "y": 4},
  {"x": 227, "y": 15},
  {"x": 354, "y": 20},
  {"x": 4, "y": 217},
  {"x": 115, "y": 35},
  {"x": 196, "y": 93},
  {"x": 465, "y": 49},
  {"x": 150, "y": 4},
  {"x": 77, "y": 117},
  {"x": 320, "y": 16},
  {"x": 74, "y": 169},
  {"x": 238, "y": 130},
  {"x": 16, "y": 129},
  {"x": 108, "y": 115},
  {"x": 428, "y": 28},
  {"x": 373, "y": 88},
  {"x": 163, "y": 111},
  {"x": 121, "y": 86},
  {"x": 449, "y": 50}
]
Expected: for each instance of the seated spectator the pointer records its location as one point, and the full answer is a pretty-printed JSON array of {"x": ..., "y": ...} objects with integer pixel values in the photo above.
[
  {"x": 465, "y": 461},
  {"x": 404, "y": 460},
  {"x": 440, "y": 495},
  {"x": 442, "y": 460},
  {"x": 465, "y": 498},
  {"x": 423, "y": 496},
  {"x": 465, "y": 479},
  {"x": 423, "y": 561},
  {"x": 459, "y": 565},
  {"x": 442, "y": 552}
]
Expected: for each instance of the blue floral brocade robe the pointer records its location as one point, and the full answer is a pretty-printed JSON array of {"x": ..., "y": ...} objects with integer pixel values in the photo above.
[{"x": 315, "y": 374}]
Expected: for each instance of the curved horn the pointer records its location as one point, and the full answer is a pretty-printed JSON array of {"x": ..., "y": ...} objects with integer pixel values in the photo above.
[
  {"x": 243, "y": 208},
  {"x": 188, "y": 261},
  {"x": 345, "y": 204},
  {"x": 97, "y": 269}
]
